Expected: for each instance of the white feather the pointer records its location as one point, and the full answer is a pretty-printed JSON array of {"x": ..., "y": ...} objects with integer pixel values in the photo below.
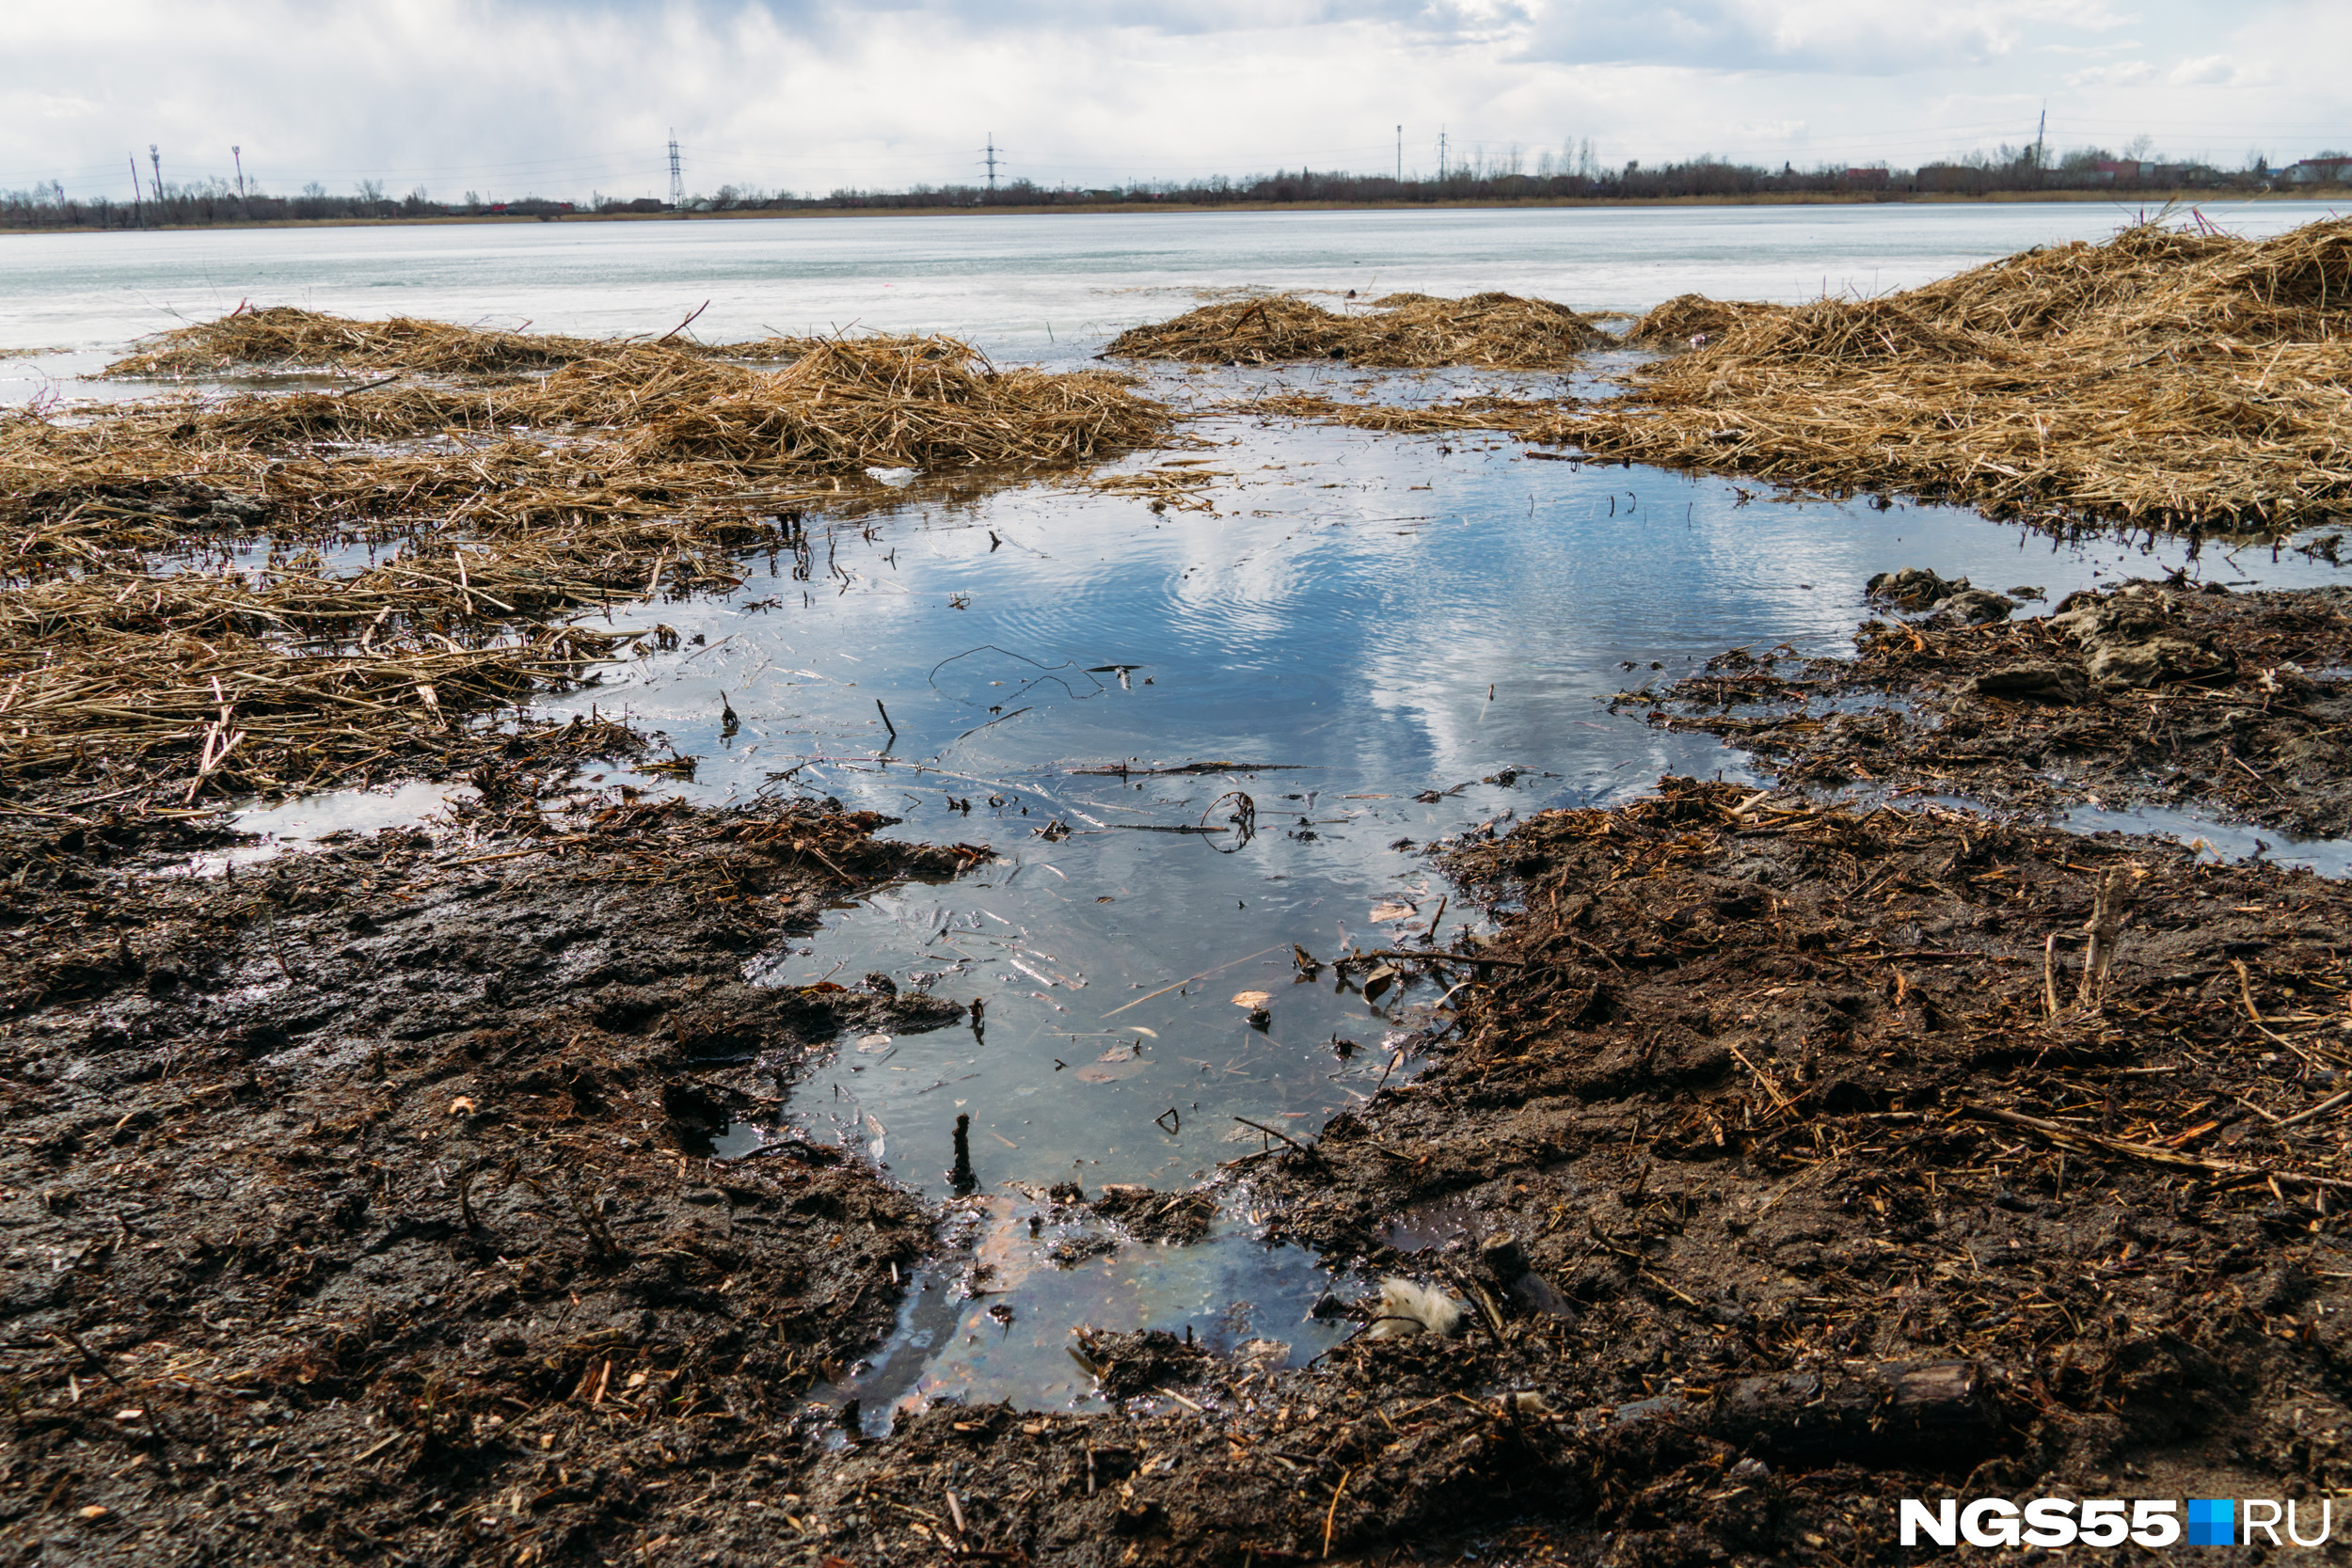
[{"x": 1410, "y": 1308}]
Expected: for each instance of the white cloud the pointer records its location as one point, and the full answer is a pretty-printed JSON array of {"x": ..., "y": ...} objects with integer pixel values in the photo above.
[
  {"x": 2212, "y": 70},
  {"x": 1839, "y": 37},
  {"x": 2124, "y": 74},
  {"x": 521, "y": 96}
]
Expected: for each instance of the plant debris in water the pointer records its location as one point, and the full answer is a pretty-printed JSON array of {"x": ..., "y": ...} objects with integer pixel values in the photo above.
[
  {"x": 2169, "y": 693},
  {"x": 1497, "y": 331},
  {"x": 2182, "y": 379},
  {"x": 142, "y": 658}
]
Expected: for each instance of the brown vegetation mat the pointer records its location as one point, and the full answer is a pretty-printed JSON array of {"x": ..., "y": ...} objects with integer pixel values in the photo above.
[
  {"x": 2167, "y": 694},
  {"x": 288, "y": 338},
  {"x": 356, "y": 1206},
  {"x": 2179, "y": 378},
  {"x": 1673, "y": 324},
  {"x": 1390, "y": 418},
  {"x": 1401, "y": 331},
  {"x": 138, "y": 651}
]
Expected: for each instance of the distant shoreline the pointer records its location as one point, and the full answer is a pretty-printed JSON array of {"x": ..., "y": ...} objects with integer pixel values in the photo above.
[{"x": 2142, "y": 198}]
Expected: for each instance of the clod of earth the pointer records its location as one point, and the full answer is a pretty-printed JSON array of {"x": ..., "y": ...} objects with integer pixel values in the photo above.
[{"x": 2187, "y": 696}]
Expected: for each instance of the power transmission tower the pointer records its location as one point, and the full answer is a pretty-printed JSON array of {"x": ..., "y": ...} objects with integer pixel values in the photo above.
[
  {"x": 138, "y": 213},
  {"x": 155, "y": 156},
  {"x": 677, "y": 179},
  {"x": 991, "y": 160},
  {"x": 2038, "y": 133},
  {"x": 1440, "y": 152},
  {"x": 1400, "y": 155},
  {"x": 238, "y": 154}
]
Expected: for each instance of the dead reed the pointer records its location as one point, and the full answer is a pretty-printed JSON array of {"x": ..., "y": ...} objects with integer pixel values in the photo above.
[
  {"x": 1495, "y": 331},
  {"x": 171, "y": 613},
  {"x": 287, "y": 338},
  {"x": 1673, "y": 324},
  {"x": 2177, "y": 378}
]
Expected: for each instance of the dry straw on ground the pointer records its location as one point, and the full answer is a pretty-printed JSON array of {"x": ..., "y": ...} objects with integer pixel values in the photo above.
[
  {"x": 2176, "y": 379},
  {"x": 174, "y": 630},
  {"x": 1675, "y": 324},
  {"x": 2169, "y": 378},
  {"x": 1401, "y": 331}
]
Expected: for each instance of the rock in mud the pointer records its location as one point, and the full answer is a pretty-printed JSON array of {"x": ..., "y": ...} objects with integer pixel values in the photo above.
[
  {"x": 1913, "y": 588},
  {"x": 1974, "y": 607},
  {"x": 2032, "y": 681}
]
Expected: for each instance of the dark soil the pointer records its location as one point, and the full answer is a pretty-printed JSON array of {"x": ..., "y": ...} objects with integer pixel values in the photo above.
[
  {"x": 1786, "y": 1159},
  {"x": 1808, "y": 1199},
  {"x": 2153, "y": 694},
  {"x": 353, "y": 1206},
  {"x": 1776, "y": 1189}
]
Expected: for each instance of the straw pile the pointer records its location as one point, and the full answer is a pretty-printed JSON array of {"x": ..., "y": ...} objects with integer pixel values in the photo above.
[
  {"x": 1672, "y": 326},
  {"x": 1401, "y": 332},
  {"x": 287, "y": 338},
  {"x": 2180, "y": 379},
  {"x": 149, "y": 644}
]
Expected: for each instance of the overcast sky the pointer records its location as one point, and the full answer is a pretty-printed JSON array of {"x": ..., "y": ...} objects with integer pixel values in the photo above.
[{"x": 517, "y": 96}]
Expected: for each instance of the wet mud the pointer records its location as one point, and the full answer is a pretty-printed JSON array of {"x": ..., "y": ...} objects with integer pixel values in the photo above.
[
  {"x": 353, "y": 1203},
  {"x": 1787, "y": 1160},
  {"x": 2171, "y": 693}
]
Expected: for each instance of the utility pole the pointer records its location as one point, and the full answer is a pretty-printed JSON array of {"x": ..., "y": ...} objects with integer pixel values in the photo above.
[
  {"x": 155, "y": 156},
  {"x": 138, "y": 213},
  {"x": 238, "y": 154},
  {"x": 1442, "y": 153},
  {"x": 678, "y": 177},
  {"x": 1400, "y": 155},
  {"x": 992, "y": 161}
]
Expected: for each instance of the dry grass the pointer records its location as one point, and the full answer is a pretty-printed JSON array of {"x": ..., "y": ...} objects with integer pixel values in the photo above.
[
  {"x": 1510, "y": 416},
  {"x": 139, "y": 648},
  {"x": 287, "y": 338},
  {"x": 1494, "y": 331},
  {"x": 1672, "y": 325},
  {"x": 2185, "y": 379}
]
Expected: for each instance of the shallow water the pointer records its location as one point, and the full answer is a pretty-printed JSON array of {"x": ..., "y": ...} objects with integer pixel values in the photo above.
[{"x": 1383, "y": 618}]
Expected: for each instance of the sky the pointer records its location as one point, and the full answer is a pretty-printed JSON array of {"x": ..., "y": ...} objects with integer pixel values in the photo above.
[{"x": 511, "y": 98}]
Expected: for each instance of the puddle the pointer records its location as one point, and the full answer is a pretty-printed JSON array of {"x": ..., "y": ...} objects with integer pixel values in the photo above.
[
  {"x": 1005, "y": 1324},
  {"x": 302, "y": 822},
  {"x": 2221, "y": 841},
  {"x": 1380, "y": 642}
]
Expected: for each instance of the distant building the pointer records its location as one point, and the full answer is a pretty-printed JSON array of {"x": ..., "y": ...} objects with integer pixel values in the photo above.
[
  {"x": 2109, "y": 171},
  {"x": 2332, "y": 169},
  {"x": 1870, "y": 177}
]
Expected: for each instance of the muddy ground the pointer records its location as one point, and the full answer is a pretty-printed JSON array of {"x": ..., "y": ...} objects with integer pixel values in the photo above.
[
  {"x": 355, "y": 1212},
  {"x": 351, "y": 1202},
  {"x": 2163, "y": 693},
  {"x": 1780, "y": 1177},
  {"x": 1783, "y": 1159}
]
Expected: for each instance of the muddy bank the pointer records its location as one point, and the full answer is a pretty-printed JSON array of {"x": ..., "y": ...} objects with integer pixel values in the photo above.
[
  {"x": 1819, "y": 1188},
  {"x": 1773, "y": 1175},
  {"x": 2173, "y": 694},
  {"x": 353, "y": 1203}
]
